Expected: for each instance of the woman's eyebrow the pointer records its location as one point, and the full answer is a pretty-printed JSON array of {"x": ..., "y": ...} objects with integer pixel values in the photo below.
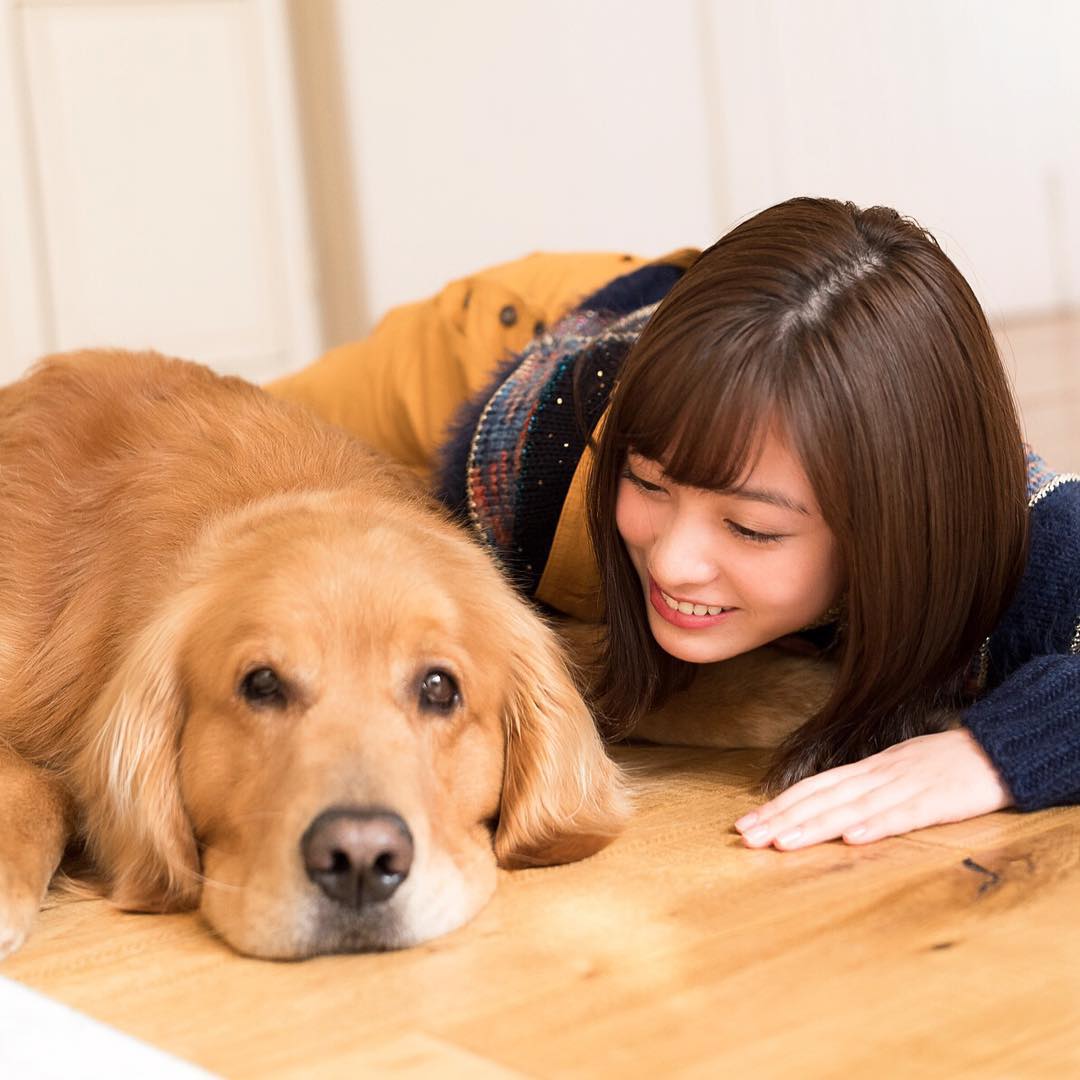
[{"x": 773, "y": 498}]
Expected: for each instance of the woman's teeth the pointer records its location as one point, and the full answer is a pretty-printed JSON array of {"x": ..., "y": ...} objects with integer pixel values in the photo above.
[{"x": 690, "y": 609}]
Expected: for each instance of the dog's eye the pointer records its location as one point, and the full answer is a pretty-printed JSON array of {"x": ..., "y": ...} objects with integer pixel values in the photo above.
[
  {"x": 439, "y": 692},
  {"x": 261, "y": 686}
]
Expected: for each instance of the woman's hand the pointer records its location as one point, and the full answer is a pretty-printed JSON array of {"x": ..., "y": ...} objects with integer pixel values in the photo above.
[{"x": 924, "y": 781}]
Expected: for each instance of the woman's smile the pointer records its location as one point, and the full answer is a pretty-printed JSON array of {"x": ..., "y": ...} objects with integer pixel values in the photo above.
[{"x": 691, "y": 615}]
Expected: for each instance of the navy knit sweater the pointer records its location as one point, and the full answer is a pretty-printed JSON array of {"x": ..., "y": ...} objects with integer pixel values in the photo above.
[
  {"x": 1028, "y": 720},
  {"x": 1026, "y": 714}
]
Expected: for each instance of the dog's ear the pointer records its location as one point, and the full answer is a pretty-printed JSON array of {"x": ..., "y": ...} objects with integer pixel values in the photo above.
[
  {"x": 563, "y": 798},
  {"x": 127, "y": 773}
]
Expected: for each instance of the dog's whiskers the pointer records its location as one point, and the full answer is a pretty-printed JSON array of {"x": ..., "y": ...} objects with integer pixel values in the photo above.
[{"x": 226, "y": 886}]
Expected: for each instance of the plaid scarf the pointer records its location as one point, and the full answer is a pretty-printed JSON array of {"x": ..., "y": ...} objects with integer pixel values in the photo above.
[{"x": 511, "y": 454}]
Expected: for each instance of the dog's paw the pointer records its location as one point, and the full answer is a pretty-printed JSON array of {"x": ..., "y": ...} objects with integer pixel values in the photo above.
[{"x": 17, "y": 914}]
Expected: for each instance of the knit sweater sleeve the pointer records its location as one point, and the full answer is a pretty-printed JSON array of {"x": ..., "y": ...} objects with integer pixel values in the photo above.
[
  {"x": 1029, "y": 720},
  {"x": 1030, "y": 729}
]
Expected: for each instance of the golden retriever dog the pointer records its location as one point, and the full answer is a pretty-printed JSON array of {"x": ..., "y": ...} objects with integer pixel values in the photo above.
[{"x": 250, "y": 668}]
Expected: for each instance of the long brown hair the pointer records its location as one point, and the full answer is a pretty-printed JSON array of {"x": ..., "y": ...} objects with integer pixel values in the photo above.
[{"x": 856, "y": 330}]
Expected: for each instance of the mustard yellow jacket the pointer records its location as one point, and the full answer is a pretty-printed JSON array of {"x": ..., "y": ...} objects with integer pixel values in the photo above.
[{"x": 399, "y": 388}]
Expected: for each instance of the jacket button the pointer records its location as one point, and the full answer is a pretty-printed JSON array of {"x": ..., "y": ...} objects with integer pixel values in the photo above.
[
  {"x": 539, "y": 328},
  {"x": 508, "y": 315}
]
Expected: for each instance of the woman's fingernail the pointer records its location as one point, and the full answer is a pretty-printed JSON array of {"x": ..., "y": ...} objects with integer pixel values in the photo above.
[
  {"x": 789, "y": 839},
  {"x": 747, "y": 821},
  {"x": 854, "y": 834},
  {"x": 755, "y": 836}
]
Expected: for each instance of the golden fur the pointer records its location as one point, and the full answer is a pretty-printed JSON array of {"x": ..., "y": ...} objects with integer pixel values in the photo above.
[
  {"x": 164, "y": 531},
  {"x": 751, "y": 701}
]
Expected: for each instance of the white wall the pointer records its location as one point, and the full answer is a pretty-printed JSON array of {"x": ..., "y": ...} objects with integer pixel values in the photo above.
[
  {"x": 481, "y": 129},
  {"x": 151, "y": 183},
  {"x": 962, "y": 113},
  {"x": 157, "y": 188}
]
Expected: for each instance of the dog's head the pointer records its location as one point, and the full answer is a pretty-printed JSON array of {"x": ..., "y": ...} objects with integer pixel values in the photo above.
[{"x": 335, "y": 729}]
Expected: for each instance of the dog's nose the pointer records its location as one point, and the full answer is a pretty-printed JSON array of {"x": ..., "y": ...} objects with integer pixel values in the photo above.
[{"x": 357, "y": 856}]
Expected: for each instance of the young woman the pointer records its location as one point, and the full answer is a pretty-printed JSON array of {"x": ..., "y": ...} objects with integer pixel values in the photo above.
[{"x": 805, "y": 433}]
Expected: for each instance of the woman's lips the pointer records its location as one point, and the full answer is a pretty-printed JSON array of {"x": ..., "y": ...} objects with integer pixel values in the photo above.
[{"x": 680, "y": 618}]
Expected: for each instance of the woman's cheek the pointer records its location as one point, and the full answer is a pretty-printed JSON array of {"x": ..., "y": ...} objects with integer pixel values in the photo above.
[
  {"x": 801, "y": 582},
  {"x": 632, "y": 516}
]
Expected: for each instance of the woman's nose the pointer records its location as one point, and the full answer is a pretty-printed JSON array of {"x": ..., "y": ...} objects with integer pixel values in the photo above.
[{"x": 684, "y": 554}]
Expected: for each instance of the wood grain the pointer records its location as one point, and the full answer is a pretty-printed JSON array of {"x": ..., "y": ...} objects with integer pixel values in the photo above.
[{"x": 952, "y": 952}]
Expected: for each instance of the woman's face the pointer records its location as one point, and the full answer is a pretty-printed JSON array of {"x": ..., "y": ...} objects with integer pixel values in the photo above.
[{"x": 725, "y": 572}]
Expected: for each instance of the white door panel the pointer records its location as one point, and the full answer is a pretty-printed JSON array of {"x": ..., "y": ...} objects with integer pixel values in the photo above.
[
  {"x": 961, "y": 114},
  {"x": 159, "y": 144}
]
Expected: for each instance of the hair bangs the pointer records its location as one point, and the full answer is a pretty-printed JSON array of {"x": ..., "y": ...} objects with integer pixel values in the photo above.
[{"x": 701, "y": 417}]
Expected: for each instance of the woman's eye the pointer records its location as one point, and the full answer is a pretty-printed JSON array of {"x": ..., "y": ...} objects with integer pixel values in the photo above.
[
  {"x": 439, "y": 692},
  {"x": 754, "y": 536},
  {"x": 637, "y": 481},
  {"x": 262, "y": 686}
]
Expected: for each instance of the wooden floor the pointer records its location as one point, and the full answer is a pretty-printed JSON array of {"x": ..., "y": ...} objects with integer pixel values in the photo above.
[
  {"x": 954, "y": 952},
  {"x": 1043, "y": 356}
]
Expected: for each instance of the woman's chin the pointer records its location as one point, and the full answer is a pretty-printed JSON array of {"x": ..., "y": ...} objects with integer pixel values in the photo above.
[{"x": 695, "y": 646}]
